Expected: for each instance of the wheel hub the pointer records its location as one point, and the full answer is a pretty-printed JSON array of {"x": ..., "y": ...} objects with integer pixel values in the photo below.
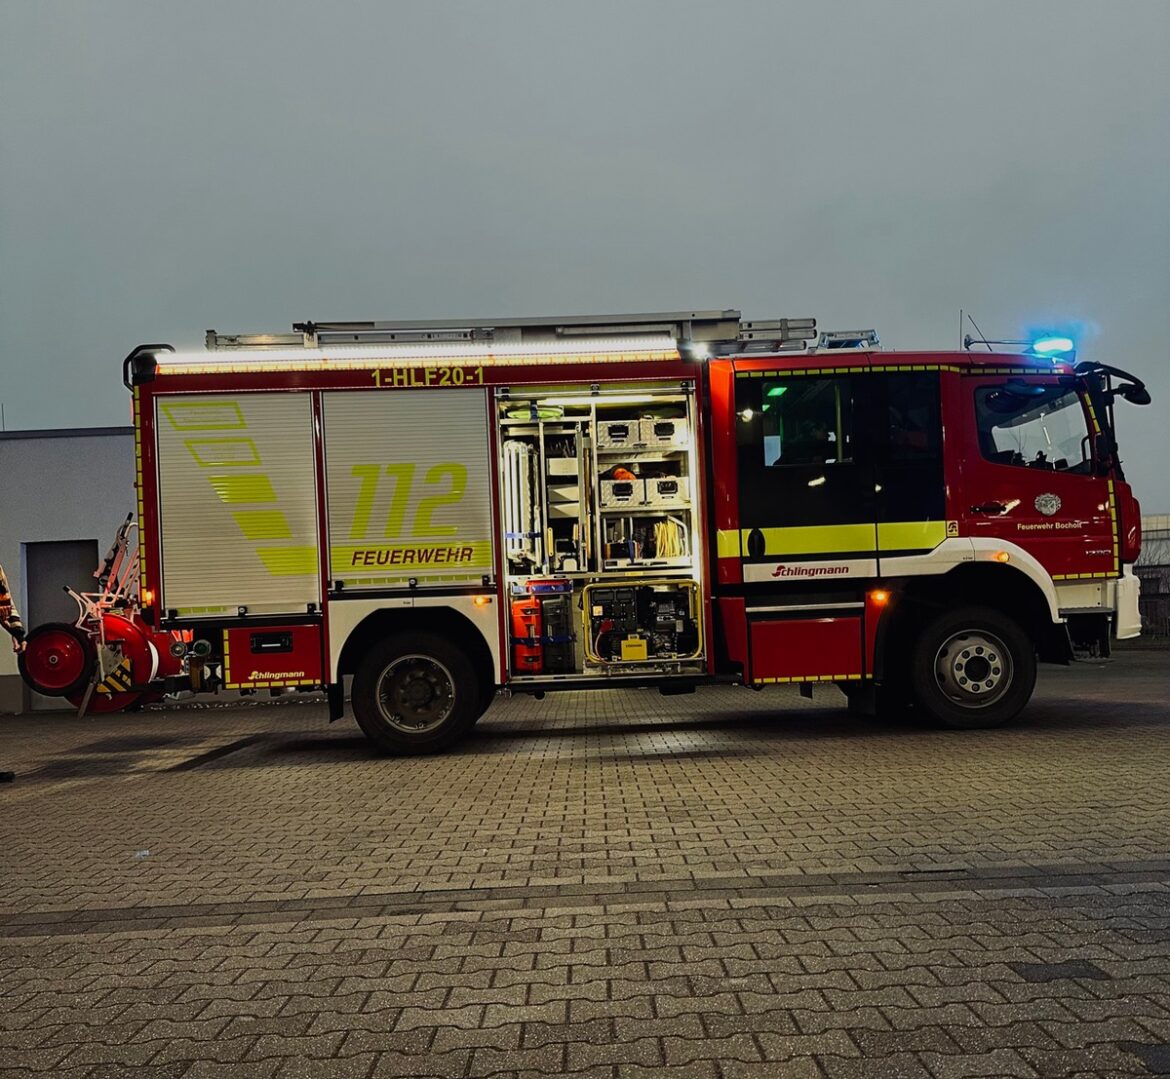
[
  {"x": 55, "y": 660},
  {"x": 973, "y": 668},
  {"x": 415, "y": 693}
]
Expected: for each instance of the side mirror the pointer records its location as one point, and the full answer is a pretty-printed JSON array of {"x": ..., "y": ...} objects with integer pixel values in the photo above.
[{"x": 1135, "y": 394}]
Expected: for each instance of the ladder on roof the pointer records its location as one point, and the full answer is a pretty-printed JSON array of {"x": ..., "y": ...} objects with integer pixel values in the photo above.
[{"x": 696, "y": 333}]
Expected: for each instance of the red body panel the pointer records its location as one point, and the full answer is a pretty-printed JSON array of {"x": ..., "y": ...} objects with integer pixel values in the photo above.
[
  {"x": 724, "y": 486},
  {"x": 874, "y": 612},
  {"x": 806, "y": 650},
  {"x": 272, "y": 656},
  {"x": 1076, "y": 539},
  {"x": 322, "y": 529},
  {"x": 1129, "y": 523},
  {"x": 732, "y": 623}
]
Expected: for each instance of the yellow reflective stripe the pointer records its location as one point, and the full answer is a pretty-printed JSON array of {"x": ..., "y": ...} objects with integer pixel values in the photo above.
[
  {"x": 816, "y": 539},
  {"x": 430, "y": 578},
  {"x": 223, "y": 452},
  {"x": 140, "y": 488},
  {"x": 836, "y": 539},
  {"x": 117, "y": 681},
  {"x": 910, "y": 535},
  {"x": 809, "y": 678},
  {"x": 409, "y": 558},
  {"x": 248, "y": 488},
  {"x": 288, "y": 561},
  {"x": 205, "y": 415},
  {"x": 263, "y": 524}
]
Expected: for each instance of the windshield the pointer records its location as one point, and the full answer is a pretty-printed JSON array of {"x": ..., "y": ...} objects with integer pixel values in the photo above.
[{"x": 1034, "y": 427}]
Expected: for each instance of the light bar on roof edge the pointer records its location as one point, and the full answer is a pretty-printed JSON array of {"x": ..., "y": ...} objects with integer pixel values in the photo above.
[
  {"x": 1053, "y": 346},
  {"x": 342, "y": 354}
]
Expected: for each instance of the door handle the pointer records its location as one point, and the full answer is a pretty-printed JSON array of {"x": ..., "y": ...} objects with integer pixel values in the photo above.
[{"x": 989, "y": 507}]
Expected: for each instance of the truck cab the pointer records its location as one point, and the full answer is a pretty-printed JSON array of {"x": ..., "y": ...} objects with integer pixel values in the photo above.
[{"x": 919, "y": 528}]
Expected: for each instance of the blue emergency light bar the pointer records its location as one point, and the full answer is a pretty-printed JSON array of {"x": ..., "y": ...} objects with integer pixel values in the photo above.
[{"x": 1053, "y": 346}]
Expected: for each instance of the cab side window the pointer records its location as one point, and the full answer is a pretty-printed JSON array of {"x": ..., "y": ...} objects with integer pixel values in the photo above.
[
  {"x": 798, "y": 459},
  {"x": 1033, "y": 426},
  {"x": 806, "y": 421}
]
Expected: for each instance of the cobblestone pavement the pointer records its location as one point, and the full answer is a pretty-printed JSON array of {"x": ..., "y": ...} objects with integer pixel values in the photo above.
[{"x": 613, "y": 884}]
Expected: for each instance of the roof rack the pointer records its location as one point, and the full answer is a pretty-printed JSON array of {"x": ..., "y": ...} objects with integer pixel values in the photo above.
[{"x": 696, "y": 333}]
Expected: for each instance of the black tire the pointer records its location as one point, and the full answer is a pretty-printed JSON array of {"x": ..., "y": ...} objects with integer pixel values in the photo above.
[
  {"x": 972, "y": 667},
  {"x": 416, "y": 693}
]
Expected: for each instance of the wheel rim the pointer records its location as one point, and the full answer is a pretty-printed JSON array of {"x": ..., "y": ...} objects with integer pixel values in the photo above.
[
  {"x": 55, "y": 660},
  {"x": 973, "y": 668},
  {"x": 416, "y": 694}
]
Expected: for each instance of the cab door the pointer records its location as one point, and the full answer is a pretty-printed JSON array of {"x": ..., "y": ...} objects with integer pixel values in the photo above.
[
  {"x": 807, "y": 535},
  {"x": 805, "y": 476},
  {"x": 1030, "y": 477}
]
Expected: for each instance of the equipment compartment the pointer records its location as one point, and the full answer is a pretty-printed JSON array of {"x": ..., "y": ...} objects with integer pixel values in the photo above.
[
  {"x": 598, "y": 488},
  {"x": 642, "y": 621}
]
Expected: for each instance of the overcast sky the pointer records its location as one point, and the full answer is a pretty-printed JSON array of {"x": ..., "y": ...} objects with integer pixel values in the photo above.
[{"x": 167, "y": 166}]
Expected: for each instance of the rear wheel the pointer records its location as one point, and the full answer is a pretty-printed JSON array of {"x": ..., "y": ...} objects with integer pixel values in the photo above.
[
  {"x": 59, "y": 659},
  {"x": 973, "y": 667},
  {"x": 416, "y": 693}
]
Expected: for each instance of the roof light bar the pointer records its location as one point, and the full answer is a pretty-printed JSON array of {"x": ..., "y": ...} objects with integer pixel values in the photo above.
[
  {"x": 1053, "y": 346},
  {"x": 343, "y": 356}
]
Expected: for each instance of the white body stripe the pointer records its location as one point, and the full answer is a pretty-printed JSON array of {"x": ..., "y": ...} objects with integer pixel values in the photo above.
[
  {"x": 956, "y": 551},
  {"x": 789, "y": 570},
  {"x": 347, "y": 612}
]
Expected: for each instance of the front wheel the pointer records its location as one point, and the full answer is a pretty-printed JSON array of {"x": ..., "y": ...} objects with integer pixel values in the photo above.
[
  {"x": 973, "y": 667},
  {"x": 416, "y": 693}
]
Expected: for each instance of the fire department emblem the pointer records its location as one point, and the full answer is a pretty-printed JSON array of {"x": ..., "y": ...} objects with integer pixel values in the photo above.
[{"x": 1047, "y": 504}]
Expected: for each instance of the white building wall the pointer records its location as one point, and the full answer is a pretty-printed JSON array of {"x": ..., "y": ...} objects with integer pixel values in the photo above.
[{"x": 57, "y": 485}]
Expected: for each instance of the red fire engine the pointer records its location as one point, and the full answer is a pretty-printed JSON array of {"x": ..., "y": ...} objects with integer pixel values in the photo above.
[{"x": 442, "y": 509}]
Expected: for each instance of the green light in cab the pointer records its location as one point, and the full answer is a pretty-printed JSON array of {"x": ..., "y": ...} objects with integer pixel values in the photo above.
[{"x": 777, "y": 391}]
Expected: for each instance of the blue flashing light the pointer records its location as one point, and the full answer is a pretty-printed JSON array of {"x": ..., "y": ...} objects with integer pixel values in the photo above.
[{"x": 1053, "y": 346}]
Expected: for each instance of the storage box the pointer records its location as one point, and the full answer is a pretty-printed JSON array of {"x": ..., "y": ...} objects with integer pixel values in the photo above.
[
  {"x": 635, "y": 649},
  {"x": 269, "y": 656},
  {"x": 539, "y": 586},
  {"x": 665, "y": 434},
  {"x": 615, "y": 434},
  {"x": 527, "y": 651},
  {"x": 558, "y": 634},
  {"x": 561, "y": 466},
  {"x": 623, "y": 493},
  {"x": 667, "y": 491}
]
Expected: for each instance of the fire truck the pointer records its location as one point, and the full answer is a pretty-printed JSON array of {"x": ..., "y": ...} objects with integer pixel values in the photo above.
[{"x": 414, "y": 516}]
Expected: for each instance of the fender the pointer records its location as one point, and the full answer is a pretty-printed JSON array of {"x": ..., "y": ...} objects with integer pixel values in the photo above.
[
  {"x": 346, "y": 613},
  {"x": 966, "y": 550}
]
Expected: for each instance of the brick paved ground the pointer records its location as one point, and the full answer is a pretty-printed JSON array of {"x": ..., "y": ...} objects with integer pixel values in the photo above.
[{"x": 612, "y": 884}]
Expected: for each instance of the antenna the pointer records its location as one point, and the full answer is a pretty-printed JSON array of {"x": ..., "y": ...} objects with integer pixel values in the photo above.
[{"x": 968, "y": 341}]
